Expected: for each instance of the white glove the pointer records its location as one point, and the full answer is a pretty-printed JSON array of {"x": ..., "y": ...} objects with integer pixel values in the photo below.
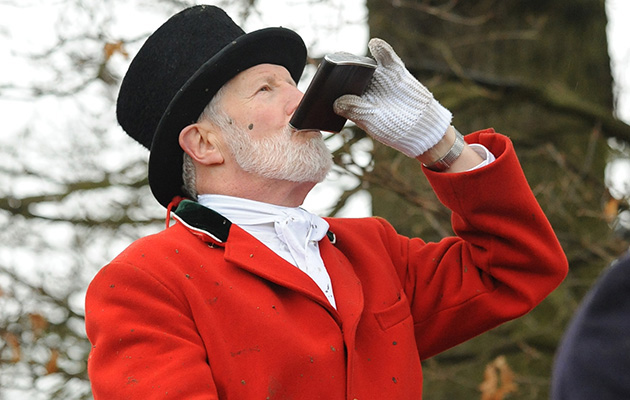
[{"x": 395, "y": 108}]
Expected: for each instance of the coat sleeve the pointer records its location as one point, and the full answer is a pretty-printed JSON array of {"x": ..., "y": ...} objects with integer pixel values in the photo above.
[
  {"x": 503, "y": 261},
  {"x": 144, "y": 342}
]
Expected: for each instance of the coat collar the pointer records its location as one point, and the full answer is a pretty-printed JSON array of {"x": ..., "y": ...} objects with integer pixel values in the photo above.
[
  {"x": 211, "y": 222},
  {"x": 198, "y": 217}
]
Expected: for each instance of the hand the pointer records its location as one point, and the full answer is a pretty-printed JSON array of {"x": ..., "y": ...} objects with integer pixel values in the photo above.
[{"x": 395, "y": 108}]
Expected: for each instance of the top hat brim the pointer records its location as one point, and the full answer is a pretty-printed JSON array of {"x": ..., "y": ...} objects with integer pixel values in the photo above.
[{"x": 277, "y": 46}]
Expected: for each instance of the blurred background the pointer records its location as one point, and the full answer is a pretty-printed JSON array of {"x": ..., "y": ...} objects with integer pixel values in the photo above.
[{"x": 553, "y": 75}]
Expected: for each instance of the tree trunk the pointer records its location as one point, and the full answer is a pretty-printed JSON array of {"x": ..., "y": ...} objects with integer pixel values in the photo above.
[{"x": 537, "y": 71}]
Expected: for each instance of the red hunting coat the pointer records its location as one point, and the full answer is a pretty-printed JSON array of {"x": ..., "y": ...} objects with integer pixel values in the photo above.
[{"x": 202, "y": 310}]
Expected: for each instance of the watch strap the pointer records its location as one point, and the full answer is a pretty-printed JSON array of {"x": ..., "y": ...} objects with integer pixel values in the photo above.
[{"x": 445, "y": 162}]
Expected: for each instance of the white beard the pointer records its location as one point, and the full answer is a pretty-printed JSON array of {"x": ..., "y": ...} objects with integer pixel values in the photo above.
[{"x": 279, "y": 157}]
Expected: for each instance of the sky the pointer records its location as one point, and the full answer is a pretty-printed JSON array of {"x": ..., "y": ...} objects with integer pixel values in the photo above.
[
  {"x": 619, "y": 48},
  {"x": 618, "y": 171}
]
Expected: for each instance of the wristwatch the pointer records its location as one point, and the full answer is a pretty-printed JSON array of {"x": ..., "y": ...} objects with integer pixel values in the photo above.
[{"x": 451, "y": 155}]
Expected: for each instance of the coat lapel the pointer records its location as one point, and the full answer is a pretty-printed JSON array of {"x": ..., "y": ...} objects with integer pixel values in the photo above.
[
  {"x": 251, "y": 255},
  {"x": 346, "y": 287}
]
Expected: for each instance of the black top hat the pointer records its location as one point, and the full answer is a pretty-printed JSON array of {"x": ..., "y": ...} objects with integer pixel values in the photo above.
[{"x": 176, "y": 73}]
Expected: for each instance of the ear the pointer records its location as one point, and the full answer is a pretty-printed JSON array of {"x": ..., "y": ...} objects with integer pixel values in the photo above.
[{"x": 200, "y": 143}]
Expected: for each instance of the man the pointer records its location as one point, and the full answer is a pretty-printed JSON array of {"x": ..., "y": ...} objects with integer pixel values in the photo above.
[
  {"x": 593, "y": 360},
  {"x": 248, "y": 296}
]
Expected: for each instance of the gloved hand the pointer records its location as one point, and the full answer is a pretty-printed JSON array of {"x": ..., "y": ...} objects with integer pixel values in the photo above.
[{"x": 395, "y": 108}]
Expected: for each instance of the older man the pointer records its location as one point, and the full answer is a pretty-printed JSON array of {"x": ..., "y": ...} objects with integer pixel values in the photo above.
[{"x": 249, "y": 296}]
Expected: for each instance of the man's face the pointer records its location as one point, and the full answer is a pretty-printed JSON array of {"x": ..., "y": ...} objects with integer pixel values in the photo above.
[{"x": 259, "y": 103}]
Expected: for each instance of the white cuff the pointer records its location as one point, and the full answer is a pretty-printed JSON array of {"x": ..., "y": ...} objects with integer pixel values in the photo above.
[{"x": 488, "y": 158}]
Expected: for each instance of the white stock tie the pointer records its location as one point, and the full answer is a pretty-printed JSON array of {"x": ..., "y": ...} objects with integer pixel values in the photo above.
[{"x": 301, "y": 231}]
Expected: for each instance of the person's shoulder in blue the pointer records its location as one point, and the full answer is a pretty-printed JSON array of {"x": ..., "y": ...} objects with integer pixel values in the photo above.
[{"x": 593, "y": 360}]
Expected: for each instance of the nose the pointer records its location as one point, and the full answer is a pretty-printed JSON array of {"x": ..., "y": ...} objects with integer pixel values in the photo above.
[{"x": 294, "y": 98}]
